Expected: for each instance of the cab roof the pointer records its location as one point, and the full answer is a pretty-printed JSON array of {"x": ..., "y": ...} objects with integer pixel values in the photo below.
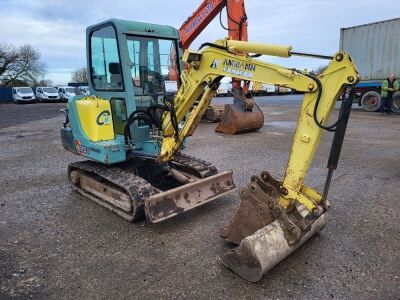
[{"x": 140, "y": 28}]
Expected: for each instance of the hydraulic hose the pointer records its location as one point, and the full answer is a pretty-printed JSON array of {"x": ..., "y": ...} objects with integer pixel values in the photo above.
[
  {"x": 332, "y": 127},
  {"x": 150, "y": 118}
]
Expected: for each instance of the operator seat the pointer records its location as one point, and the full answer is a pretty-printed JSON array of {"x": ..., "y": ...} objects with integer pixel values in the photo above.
[{"x": 115, "y": 77}]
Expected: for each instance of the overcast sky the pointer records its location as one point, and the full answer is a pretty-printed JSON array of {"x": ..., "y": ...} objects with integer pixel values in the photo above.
[{"x": 57, "y": 28}]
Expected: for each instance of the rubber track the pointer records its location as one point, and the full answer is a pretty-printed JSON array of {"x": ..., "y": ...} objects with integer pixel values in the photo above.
[
  {"x": 123, "y": 176},
  {"x": 201, "y": 167}
]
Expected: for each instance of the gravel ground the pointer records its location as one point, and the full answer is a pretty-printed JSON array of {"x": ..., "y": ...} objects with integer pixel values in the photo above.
[{"x": 55, "y": 244}]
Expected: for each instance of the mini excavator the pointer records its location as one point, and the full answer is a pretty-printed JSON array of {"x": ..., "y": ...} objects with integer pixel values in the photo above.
[{"x": 132, "y": 131}]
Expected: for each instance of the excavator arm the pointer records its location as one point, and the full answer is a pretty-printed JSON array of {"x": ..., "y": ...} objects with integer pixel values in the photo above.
[
  {"x": 206, "y": 12},
  {"x": 208, "y": 67},
  {"x": 243, "y": 115},
  {"x": 275, "y": 217}
]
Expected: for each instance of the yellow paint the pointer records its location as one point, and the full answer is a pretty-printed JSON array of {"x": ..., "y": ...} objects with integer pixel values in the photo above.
[
  {"x": 308, "y": 202},
  {"x": 215, "y": 63},
  {"x": 259, "y": 48},
  {"x": 202, "y": 78},
  {"x": 95, "y": 118},
  {"x": 333, "y": 80},
  {"x": 309, "y": 192}
]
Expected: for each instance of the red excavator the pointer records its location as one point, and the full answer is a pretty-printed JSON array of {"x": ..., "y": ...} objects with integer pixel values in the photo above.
[{"x": 243, "y": 115}]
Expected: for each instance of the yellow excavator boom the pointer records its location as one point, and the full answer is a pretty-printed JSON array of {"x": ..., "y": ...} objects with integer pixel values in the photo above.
[
  {"x": 206, "y": 69},
  {"x": 275, "y": 217}
]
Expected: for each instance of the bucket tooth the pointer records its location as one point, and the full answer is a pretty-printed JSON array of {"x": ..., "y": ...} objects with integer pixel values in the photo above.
[
  {"x": 255, "y": 211},
  {"x": 261, "y": 251},
  {"x": 251, "y": 216}
]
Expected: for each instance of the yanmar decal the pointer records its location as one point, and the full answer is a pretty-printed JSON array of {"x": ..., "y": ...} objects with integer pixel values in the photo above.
[{"x": 238, "y": 68}]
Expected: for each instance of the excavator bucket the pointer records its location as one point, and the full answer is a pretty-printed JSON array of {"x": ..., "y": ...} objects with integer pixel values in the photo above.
[
  {"x": 242, "y": 116},
  {"x": 261, "y": 251},
  {"x": 264, "y": 231}
]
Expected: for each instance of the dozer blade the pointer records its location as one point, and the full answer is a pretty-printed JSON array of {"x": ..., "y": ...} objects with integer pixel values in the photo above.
[
  {"x": 120, "y": 189},
  {"x": 167, "y": 204},
  {"x": 264, "y": 249}
]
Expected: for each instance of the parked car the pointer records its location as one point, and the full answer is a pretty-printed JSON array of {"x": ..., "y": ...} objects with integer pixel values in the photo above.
[
  {"x": 23, "y": 95},
  {"x": 47, "y": 94},
  {"x": 84, "y": 90},
  {"x": 66, "y": 92}
]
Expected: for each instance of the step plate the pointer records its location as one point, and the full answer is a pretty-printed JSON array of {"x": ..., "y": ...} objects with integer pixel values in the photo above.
[{"x": 170, "y": 203}]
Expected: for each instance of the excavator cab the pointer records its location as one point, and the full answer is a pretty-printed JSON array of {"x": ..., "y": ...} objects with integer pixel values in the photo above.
[
  {"x": 129, "y": 64},
  {"x": 134, "y": 73},
  {"x": 128, "y": 71}
]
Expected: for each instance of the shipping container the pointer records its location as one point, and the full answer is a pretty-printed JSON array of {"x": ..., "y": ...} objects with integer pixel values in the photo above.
[{"x": 375, "y": 49}]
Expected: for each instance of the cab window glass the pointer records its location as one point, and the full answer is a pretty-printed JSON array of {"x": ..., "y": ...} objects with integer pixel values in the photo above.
[
  {"x": 154, "y": 66},
  {"x": 105, "y": 64}
]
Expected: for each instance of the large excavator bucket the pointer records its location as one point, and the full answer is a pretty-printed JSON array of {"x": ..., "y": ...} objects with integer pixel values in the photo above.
[
  {"x": 242, "y": 116},
  {"x": 264, "y": 231},
  {"x": 261, "y": 251}
]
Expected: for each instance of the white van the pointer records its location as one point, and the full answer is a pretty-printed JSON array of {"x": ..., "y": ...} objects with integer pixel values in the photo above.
[
  {"x": 268, "y": 89},
  {"x": 84, "y": 90},
  {"x": 223, "y": 89},
  {"x": 44, "y": 93},
  {"x": 66, "y": 92},
  {"x": 23, "y": 95}
]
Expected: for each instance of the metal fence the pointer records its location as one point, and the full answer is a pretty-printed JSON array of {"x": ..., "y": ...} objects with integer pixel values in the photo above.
[{"x": 6, "y": 94}]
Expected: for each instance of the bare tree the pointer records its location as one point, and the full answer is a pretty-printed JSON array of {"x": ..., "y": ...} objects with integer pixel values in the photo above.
[
  {"x": 8, "y": 55},
  {"x": 319, "y": 70},
  {"x": 44, "y": 82},
  {"x": 79, "y": 75},
  {"x": 20, "y": 65}
]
